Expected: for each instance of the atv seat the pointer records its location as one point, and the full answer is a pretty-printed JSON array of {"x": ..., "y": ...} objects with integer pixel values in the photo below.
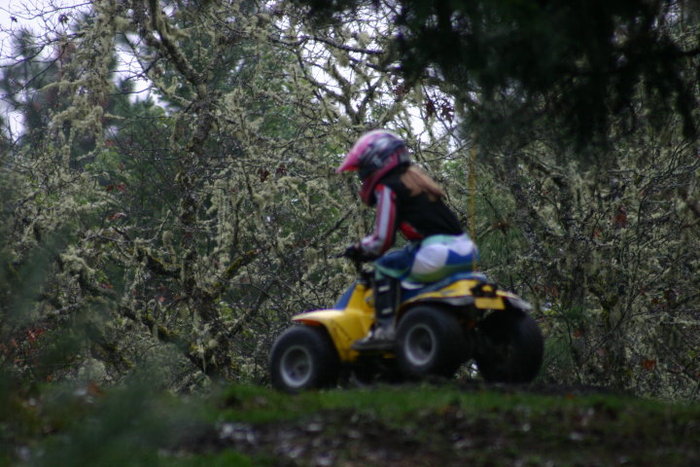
[{"x": 410, "y": 289}]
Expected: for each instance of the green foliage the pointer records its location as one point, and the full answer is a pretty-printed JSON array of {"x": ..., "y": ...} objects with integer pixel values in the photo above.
[
  {"x": 600, "y": 244},
  {"x": 180, "y": 226},
  {"x": 576, "y": 65},
  {"x": 247, "y": 425},
  {"x": 123, "y": 427},
  {"x": 220, "y": 459}
]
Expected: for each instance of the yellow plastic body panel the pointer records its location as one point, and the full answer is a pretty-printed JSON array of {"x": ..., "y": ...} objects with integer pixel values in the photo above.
[
  {"x": 344, "y": 326},
  {"x": 461, "y": 288},
  {"x": 489, "y": 303}
]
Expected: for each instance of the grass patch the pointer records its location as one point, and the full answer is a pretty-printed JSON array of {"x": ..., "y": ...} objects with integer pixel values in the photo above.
[{"x": 424, "y": 424}]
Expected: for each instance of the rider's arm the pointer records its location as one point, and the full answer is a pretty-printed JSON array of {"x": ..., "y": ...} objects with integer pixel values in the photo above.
[{"x": 384, "y": 223}]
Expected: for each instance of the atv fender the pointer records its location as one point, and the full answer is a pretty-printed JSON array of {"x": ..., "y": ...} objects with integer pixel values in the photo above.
[
  {"x": 343, "y": 326},
  {"x": 458, "y": 293}
]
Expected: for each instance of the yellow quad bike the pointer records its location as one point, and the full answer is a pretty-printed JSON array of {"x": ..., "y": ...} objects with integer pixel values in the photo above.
[{"x": 439, "y": 327}]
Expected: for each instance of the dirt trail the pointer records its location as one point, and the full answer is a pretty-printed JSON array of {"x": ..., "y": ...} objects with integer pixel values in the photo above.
[{"x": 590, "y": 433}]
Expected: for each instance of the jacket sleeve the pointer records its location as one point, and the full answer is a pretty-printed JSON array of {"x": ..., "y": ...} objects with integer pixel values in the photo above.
[{"x": 382, "y": 238}]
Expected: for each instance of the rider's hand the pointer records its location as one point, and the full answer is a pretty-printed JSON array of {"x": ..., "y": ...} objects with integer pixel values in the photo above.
[{"x": 355, "y": 252}]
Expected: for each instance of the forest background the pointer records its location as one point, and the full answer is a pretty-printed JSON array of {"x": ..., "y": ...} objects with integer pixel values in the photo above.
[{"x": 168, "y": 197}]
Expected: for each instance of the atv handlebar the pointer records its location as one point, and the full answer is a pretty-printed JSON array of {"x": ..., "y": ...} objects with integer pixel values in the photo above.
[
  {"x": 358, "y": 258},
  {"x": 355, "y": 253}
]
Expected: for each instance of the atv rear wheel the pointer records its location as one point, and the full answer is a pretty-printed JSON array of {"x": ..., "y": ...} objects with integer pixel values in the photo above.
[
  {"x": 511, "y": 348},
  {"x": 303, "y": 357},
  {"x": 430, "y": 341}
]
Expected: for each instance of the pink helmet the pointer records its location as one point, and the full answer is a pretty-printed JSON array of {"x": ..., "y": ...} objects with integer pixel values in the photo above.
[{"x": 374, "y": 155}]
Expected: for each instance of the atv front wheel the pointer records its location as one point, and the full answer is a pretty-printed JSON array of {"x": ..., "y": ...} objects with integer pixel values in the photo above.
[
  {"x": 511, "y": 348},
  {"x": 430, "y": 341},
  {"x": 303, "y": 357}
]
